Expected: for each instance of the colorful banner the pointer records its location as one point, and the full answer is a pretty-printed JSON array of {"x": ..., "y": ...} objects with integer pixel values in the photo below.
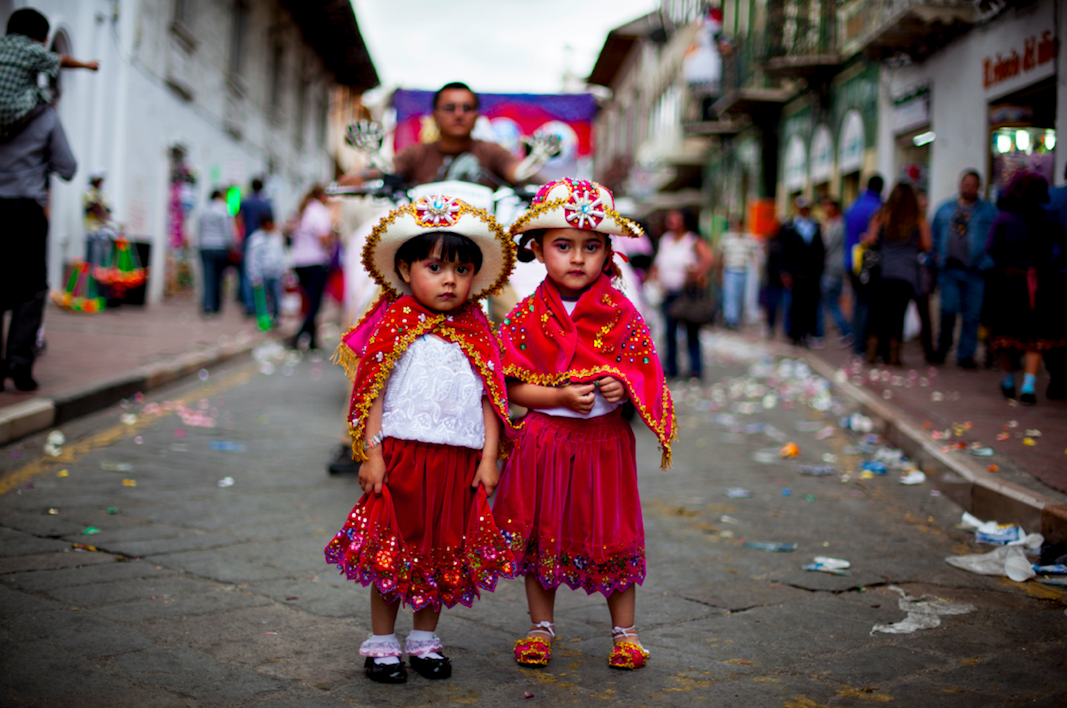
[{"x": 508, "y": 118}]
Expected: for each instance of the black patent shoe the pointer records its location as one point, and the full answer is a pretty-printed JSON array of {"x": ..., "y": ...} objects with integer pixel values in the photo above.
[
  {"x": 385, "y": 673},
  {"x": 1028, "y": 399},
  {"x": 430, "y": 668},
  {"x": 1008, "y": 391}
]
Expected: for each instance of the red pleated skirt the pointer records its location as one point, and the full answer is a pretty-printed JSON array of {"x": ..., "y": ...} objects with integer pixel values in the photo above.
[
  {"x": 569, "y": 506},
  {"x": 429, "y": 539}
]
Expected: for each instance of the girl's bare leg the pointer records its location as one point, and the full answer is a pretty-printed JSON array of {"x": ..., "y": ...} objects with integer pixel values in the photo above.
[
  {"x": 622, "y": 606},
  {"x": 383, "y": 614},
  {"x": 542, "y": 602},
  {"x": 426, "y": 619}
]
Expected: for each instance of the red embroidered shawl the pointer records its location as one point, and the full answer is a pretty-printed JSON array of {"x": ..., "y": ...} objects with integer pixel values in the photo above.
[
  {"x": 400, "y": 323},
  {"x": 604, "y": 336}
]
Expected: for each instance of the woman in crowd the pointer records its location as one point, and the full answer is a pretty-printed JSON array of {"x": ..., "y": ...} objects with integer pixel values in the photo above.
[
  {"x": 683, "y": 260},
  {"x": 1021, "y": 245},
  {"x": 900, "y": 232},
  {"x": 310, "y": 256}
]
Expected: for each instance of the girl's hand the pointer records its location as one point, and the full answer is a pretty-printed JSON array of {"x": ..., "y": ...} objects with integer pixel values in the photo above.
[
  {"x": 372, "y": 473},
  {"x": 578, "y": 397},
  {"x": 488, "y": 475},
  {"x": 612, "y": 390}
]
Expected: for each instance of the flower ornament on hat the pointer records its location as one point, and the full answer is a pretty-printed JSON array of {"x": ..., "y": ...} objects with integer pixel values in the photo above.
[
  {"x": 439, "y": 213},
  {"x": 575, "y": 204}
]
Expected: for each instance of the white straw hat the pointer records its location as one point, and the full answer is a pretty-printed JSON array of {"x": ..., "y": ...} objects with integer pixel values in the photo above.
[
  {"x": 575, "y": 204},
  {"x": 440, "y": 213}
]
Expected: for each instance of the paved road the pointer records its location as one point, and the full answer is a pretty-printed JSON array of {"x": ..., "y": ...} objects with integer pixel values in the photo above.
[{"x": 205, "y": 595}]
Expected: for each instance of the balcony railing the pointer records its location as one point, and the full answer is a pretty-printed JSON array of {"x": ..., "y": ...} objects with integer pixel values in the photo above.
[
  {"x": 884, "y": 28},
  {"x": 800, "y": 39},
  {"x": 746, "y": 86}
]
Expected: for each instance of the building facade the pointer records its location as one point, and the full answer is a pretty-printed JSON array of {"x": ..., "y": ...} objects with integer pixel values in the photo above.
[{"x": 193, "y": 95}]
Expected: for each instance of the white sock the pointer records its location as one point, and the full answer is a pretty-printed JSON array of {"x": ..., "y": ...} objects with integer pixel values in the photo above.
[
  {"x": 420, "y": 635},
  {"x": 385, "y": 660}
]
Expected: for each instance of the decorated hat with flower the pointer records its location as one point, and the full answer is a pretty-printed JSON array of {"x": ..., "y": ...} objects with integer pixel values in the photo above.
[
  {"x": 439, "y": 213},
  {"x": 575, "y": 204}
]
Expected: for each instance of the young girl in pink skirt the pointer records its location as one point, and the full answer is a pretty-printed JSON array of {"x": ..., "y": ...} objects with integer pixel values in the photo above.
[
  {"x": 574, "y": 352},
  {"x": 428, "y": 403}
]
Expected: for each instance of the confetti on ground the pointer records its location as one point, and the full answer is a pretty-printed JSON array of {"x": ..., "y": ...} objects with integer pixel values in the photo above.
[
  {"x": 90, "y": 531},
  {"x": 62, "y": 473},
  {"x": 789, "y": 450},
  {"x": 1029, "y": 441},
  {"x": 226, "y": 482},
  {"x": 83, "y": 547},
  {"x": 129, "y": 482},
  {"x": 993, "y": 468}
]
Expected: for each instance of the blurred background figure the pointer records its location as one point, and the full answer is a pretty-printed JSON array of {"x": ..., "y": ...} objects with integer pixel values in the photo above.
[
  {"x": 1024, "y": 314},
  {"x": 312, "y": 239},
  {"x": 253, "y": 209},
  {"x": 925, "y": 287},
  {"x": 801, "y": 266},
  {"x": 216, "y": 238},
  {"x": 960, "y": 228},
  {"x": 98, "y": 237},
  {"x": 900, "y": 233},
  {"x": 683, "y": 260},
  {"x": 739, "y": 253},
  {"x": 1056, "y": 282},
  {"x": 857, "y": 219},
  {"x": 833, "y": 275},
  {"x": 265, "y": 262}
]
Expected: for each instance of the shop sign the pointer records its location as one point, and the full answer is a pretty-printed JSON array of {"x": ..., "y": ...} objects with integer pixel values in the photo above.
[
  {"x": 911, "y": 108},
  {"x": 822, "y": 154},
  {"x": 796, "y": 163},
  {"x": 851, "y": 143},
  {"x": 1037, "y": 51}
]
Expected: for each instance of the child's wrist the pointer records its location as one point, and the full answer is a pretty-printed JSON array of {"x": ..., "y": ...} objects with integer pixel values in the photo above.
[{"x": 374, "y": 441}]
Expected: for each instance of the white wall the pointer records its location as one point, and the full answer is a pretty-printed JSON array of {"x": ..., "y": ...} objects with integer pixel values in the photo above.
[
  {"x": 124, "y": 118},
  {"x": 959, "y": 103}
]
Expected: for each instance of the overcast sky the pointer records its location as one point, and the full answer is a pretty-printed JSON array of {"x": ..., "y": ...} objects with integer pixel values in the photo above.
[{"x": 496, "y": 46}]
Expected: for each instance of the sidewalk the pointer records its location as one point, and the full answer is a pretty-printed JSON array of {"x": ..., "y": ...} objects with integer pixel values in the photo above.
[
  {"x": 937, "y": 415},
  {"x": 92, "y": 361}
]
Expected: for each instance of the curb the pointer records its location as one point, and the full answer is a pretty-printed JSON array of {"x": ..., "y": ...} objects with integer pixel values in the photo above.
[
  {"x": 37, "y": 414},
  {"x": 966, "y": 483}
]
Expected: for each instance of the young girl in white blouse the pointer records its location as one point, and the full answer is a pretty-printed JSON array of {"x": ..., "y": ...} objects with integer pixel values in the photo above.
[{"x": 428, "y": 403}]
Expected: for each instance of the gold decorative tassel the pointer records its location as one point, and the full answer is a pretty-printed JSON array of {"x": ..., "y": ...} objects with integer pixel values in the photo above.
[{"x": 347, "y": 359}]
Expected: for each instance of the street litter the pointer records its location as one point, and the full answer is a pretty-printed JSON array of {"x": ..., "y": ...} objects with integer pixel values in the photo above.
[
  {"x": 738, "y": 493},
  {"x": 1029, "y": 441},
  {"x": 91, "y": 530},
  {"x": 128, "y": 418},
  {"x": 789, "y": 450},
  {"x": 129, "y": 482},
  {"x": 829, "y": 458},
  {"x": 787, "y": 492},
  {"x": 825, "y": 433},
  {"x": 1033, "y": 433},
  {"x": 770, "y": 546},
  {"x": 923, "y": 613},
  {"x": 226, "y": 446},
  {"x": 53, "y": 512},
  {"x": 116, "y": 466},
  {"x": 728, "y": 519},
  {"x": 991, "y": 532},
  {"x": 817, "y": 470},
  {"x": 824, "y": 564},
  {"x": 226, "y": 482},
  {"x": 83, "y": 547},
  {"x": 878, "y": 468},
  {"x": 1009, "y": 560},
  {"x": 112, "y": 510},
  {"x": 913, "y": 477},
  {"x": 766, "y": 457},
  {"x": 53, "y": 444},
  {"x": 857, "y": 422},
  {"x": 982, "y": 451},
  {"x": 62, "y": 473}
]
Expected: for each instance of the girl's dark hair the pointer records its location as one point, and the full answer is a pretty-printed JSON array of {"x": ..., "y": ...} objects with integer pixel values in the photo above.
[
  {"x": 29, "y": 23},
  {"x": 522, "y": 249},
  {"x": 454, "y": 248},
  {"x": 901, "y": 214}
]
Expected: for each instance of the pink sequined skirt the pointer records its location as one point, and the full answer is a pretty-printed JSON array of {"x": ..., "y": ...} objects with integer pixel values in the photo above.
[
  {"x": 429, "y": 539},
  {"x": 569, "y": 506}
]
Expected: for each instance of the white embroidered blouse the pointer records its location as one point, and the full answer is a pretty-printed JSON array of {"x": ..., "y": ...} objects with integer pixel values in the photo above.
[{"x": 434, "y": 396}]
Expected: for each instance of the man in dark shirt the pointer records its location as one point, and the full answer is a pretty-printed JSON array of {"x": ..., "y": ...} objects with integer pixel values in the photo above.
[
  {"x": 803, "y": 256},
  {"x": 252, "y": 210},
  {"x": 27, "y": 159}
]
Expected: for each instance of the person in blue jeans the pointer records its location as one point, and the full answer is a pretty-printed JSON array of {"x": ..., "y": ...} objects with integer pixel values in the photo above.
[
  {"x": 253, "y": 208},
  {"x": 857, "y": 219},
  {"x": 960, "y": 228},
  {"x": 833, "y": 275},
  {"x": 738, "y": 256},
  {"x": 215, "y": 240}
]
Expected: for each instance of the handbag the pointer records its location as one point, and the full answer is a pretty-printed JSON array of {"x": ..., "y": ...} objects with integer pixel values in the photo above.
[
  {"x": 696, "y": 305},
  {"x": 871, "y": 262}
]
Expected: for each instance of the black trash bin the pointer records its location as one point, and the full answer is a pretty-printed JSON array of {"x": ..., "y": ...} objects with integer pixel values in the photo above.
[{"x": 136, "y": 296}]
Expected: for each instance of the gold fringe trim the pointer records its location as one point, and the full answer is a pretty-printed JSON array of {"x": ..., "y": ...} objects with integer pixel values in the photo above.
[{"x": 347, "y": 359}]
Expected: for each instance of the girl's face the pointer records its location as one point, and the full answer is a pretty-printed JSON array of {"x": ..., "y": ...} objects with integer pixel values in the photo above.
[
  {"x": 436, "y": 284},
  {"x": 574, "y": 258}
]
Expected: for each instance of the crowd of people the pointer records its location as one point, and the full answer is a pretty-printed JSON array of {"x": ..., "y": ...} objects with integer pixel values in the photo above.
[{"x": 996, "y": 272}]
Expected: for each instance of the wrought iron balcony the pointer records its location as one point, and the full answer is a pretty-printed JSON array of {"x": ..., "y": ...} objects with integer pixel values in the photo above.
[
  {"x": 800, "y": 40},
  {"x": 746, "y": 87},
  {"x": 886, "y": 28}
]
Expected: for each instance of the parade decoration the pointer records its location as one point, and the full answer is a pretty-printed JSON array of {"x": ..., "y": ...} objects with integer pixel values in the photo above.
[{"x": 81, "y": 294}]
